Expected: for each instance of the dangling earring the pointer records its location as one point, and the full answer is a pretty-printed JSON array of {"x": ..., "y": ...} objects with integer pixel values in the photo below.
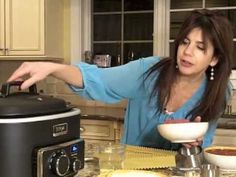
[
  {"x": 212, "y": 74},
  {"x": 176, "y": 66}
]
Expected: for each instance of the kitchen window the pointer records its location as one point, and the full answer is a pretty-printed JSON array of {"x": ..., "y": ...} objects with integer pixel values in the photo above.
[{"x": 122, "y": 29}]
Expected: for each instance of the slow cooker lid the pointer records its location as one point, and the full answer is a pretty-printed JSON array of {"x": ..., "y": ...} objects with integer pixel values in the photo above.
[{"x": 28, "y": 104}]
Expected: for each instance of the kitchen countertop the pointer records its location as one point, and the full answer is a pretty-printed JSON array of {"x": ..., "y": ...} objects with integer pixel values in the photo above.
[
  {"x": 227, "y": 121},
  {"x": 102, "y": 113},
  {"x": 91, "y": 169},
  {"x": 231, "y": 115}
]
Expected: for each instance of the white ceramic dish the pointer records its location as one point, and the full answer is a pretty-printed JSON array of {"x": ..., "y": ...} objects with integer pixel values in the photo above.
[
  {"x": 183, "y": 132},
  {"x": 226, "y": 162}
]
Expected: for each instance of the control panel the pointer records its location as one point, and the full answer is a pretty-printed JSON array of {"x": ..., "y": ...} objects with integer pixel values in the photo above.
[{"x": 64, "y": 159}]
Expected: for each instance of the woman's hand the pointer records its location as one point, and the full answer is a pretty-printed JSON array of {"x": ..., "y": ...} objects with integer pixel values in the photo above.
[
  {"x": 198, "y": 141},
  {"x": 32, "y": 72}
]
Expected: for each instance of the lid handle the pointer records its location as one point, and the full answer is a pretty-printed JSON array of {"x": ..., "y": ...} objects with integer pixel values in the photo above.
[{"x": 5, "y": 91}]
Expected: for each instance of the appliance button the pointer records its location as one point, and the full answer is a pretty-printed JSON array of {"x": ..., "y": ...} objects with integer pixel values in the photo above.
[
  {"x": 60, "y": 164},
  {"x": 76, "y": 165}
]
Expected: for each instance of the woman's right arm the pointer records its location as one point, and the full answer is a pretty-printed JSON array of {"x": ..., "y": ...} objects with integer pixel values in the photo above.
[{"x": 32, "y": 72}]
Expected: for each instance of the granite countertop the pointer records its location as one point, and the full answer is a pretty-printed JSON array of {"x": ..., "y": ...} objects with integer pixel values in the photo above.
[
  {"x": 91, "y": 169},
  {"x": 227, "y": 121},
  {"x": 231, "y": 115},
  {"x": 103, "y": 113}
]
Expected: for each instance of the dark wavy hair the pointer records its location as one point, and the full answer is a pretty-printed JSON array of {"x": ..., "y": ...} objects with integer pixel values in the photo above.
[{"x": 218, "y": 30}]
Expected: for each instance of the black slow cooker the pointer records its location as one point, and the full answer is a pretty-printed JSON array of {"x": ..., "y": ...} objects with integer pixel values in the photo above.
[{"x": 40, "y": 135}]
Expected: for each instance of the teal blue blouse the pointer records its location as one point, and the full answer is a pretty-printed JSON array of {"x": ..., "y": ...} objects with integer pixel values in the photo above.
[{"x": 111, "y": 85}]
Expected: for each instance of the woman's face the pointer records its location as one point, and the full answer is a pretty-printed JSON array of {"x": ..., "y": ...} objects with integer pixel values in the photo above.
[{"x": 193, "y": 57}]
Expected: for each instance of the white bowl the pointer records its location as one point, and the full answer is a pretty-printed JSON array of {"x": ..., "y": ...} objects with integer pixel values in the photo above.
[
  {"x": 227, "y": 162},
  {"x": 183, "y": 132}
]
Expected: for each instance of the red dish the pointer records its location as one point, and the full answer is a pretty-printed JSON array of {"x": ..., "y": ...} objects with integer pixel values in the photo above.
[
  {"x": 171, "y": 121},
  {"x": 227, "y": 152}
]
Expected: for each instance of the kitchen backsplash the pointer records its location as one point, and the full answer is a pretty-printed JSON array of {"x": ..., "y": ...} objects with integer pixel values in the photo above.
[
  {"x": 59, "y": 89},
  {"x": 54, "y": 87}
]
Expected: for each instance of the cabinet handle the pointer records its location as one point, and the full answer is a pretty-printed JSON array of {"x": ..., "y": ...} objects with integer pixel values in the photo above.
[
  {"x": 6, "y": 51},
  {"x": 2, "y": 49},
  {"x": 82, "y": 129}
]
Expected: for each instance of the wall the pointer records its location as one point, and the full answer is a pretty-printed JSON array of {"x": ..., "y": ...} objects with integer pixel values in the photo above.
[
  {"x": 53, "y": 87},
  {"x": 61, "y": 90},
  {"x": 6, "y": 68}
]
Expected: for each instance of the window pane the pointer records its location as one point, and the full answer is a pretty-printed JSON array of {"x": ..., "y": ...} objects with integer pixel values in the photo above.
[
  {"x": 183, "y": 4},
  {"x": 138, "y": 50},
  {"x": 107, "y": 27},
  {"x": 172, "y": 49},
  {"x": 106, "y": 5},
  {"x": 231, "y": 15},
  {"x": 176, "y": 20},
  {"x": 134, "y": 5},
  {"x": 234, "y": 57},
  {"x": 134, "y": 26},
  {"x": 137, "y": 27},
  {"x": 112, "y": 49},
  {"x": 220, "y": 3}
]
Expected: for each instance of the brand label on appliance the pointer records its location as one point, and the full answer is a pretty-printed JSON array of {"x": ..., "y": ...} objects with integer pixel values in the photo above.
[{"x": 60, "y": 129}]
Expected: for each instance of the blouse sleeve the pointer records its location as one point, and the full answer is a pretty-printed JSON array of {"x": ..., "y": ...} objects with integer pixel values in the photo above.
[{"x": 113, "y": 84}]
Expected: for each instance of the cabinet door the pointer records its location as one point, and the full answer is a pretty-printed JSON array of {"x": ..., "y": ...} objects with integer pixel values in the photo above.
[
  {"x": 2, "y": 36},
  {"x": 24, "y": 27},
  {"x": 97, "y": 129},
  {"x": 224, "y": 137}
]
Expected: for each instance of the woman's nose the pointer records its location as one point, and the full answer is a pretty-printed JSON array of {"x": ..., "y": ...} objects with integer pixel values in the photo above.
[{"x": 188, "y": 50}]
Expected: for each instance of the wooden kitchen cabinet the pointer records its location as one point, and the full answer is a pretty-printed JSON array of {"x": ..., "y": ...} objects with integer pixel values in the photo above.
[
  {"x": 225, "y": 137},
  {"x": 31, "y": 28},
  {"x": 96, "y": 132}
]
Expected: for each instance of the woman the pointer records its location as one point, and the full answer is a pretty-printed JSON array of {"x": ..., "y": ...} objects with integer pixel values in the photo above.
[{"x": 193, "y": 85}]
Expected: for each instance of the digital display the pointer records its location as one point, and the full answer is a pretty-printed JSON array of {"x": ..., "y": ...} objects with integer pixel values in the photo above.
[{"x": 74, "y": 148}]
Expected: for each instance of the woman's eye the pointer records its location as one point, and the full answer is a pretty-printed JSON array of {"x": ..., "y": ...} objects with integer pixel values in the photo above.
[
  {"x": 185, "y": 41},
  {"x": 201, "y": 48}
]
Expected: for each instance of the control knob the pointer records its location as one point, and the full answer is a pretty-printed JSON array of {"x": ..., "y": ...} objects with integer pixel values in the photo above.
[
  {"x": 75, "y": 165},
  {"x": 60, "y": 164}
]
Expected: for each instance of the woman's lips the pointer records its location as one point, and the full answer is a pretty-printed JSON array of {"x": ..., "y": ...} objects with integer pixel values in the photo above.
[{"x": 185, "y": 63}]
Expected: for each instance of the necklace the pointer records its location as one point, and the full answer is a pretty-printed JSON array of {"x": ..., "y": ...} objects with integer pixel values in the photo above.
[{"x": 167, "y": 112}]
